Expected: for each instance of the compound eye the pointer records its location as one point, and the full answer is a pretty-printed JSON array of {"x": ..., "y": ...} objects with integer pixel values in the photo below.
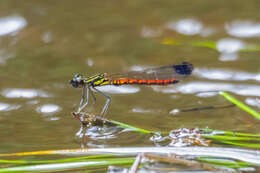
[
  {"x": 77, "y": 78},
  {"x": 74, "y": 83}
]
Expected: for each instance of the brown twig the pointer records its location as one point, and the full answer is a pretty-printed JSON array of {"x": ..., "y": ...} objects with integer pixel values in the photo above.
[
  {"x": 90, "y": 119},
  {"x": 176, "y": 160},
  {"x": 136, "y": 164}
]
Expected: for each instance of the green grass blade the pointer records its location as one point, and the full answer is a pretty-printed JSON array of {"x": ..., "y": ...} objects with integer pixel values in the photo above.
[
  {"x": 226, "y": 163},
  {"x": 67, "y": 166},
  {"x": 241, "y": 144},
  {"x": 228, "y": 133},
  {"x": 126, "y": 126},
  {"x": 74, "y": 159},
  {"x": 240, "y": 104},
  {"x": 211, "y": 45},
  {"x": 231, "y": 138},
  {"x": 208, "y": 44}
]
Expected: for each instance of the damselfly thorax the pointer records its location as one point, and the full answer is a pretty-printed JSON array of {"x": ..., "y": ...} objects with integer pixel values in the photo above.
[{"x": 164, "y": 75}]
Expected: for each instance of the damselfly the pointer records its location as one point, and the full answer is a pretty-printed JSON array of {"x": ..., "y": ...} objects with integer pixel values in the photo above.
[{"x": 163, "y": 75}]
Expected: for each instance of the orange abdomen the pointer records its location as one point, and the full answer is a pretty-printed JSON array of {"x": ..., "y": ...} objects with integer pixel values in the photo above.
[{"x": 141, "y": 81}]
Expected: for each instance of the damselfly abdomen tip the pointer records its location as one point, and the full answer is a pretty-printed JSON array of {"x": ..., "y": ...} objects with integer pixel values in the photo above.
[{"x": 185, "y": 68}]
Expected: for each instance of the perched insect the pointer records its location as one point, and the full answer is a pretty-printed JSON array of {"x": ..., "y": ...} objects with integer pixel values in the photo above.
[{"x": 163, "y": 75}]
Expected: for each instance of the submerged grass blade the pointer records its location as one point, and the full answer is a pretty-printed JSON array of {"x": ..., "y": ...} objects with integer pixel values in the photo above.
[
  {"x": 225, "y": 163},
  {"x": 211, "y": 45},
  {"x": 241, "y": 144},
  {"x": 240, "y": 104},
  {"x": 228, "y": 133},
  {"x": 231, "y": 138},
  {"x": 208, "y": 44},
  {"x": 67, "y": 166},
  {"x": 228, "y": 137}
]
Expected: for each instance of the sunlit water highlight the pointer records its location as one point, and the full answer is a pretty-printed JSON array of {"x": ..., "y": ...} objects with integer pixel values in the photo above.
[
  {"x": 189, "y": 27},
  {"x": 23, "y": 93},
  {"x": 119, "y": 90},
  {"x": 12, "y": 24},
  {"x": 224, "y": 74},
  {"x": 48, "y": 109},
  {"x": 229, "y": 48},
  {"x": 8, "y": 107},
  {"x": 253, "y": 102},
  {"x": 243, "y": 29},
  {"x": 186, "y": 26}
]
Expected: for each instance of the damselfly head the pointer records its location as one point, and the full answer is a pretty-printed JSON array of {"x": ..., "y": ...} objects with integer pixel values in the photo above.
[{"x": 77, "y": 81}]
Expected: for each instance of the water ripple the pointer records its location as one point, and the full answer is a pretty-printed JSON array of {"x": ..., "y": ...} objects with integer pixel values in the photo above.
[
  {"x": 150, "y": 32},
  {"x": 4, "y": 56},
  {"x": 140, "y": 110},
  {"x": 47, "y": 37}
]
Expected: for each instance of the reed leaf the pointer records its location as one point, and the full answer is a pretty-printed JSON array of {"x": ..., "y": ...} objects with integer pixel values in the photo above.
[{"x": 240, "y": 104}]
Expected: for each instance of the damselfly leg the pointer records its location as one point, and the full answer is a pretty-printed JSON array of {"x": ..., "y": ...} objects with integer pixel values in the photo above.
[
  {"x": 94, "y": 97},
  {"x": 108, "y": 100},
  {"x": 84, "y": 98}
]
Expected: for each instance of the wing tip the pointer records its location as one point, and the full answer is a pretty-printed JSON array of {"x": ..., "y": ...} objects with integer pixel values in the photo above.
[{"x": 185, "y": 68}]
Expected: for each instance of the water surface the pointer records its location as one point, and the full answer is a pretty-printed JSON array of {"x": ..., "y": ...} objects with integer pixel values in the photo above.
[{"x": 44, "y": 43}]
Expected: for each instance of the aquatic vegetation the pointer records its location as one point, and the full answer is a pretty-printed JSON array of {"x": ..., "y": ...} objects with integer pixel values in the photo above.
[{"x": 183, "y": 148}]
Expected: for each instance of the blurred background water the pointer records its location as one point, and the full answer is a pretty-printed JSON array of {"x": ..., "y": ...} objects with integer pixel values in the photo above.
[{"x": 44, "y": 43}]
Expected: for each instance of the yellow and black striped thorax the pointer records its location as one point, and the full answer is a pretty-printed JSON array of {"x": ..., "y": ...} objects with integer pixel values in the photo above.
[{"x": 96, "y": 80}]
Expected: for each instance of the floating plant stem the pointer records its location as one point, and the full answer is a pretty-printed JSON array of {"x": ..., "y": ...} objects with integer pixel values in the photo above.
[
  {"x": 126, "y": 126},
  {"x": 240, "y": 104}
]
